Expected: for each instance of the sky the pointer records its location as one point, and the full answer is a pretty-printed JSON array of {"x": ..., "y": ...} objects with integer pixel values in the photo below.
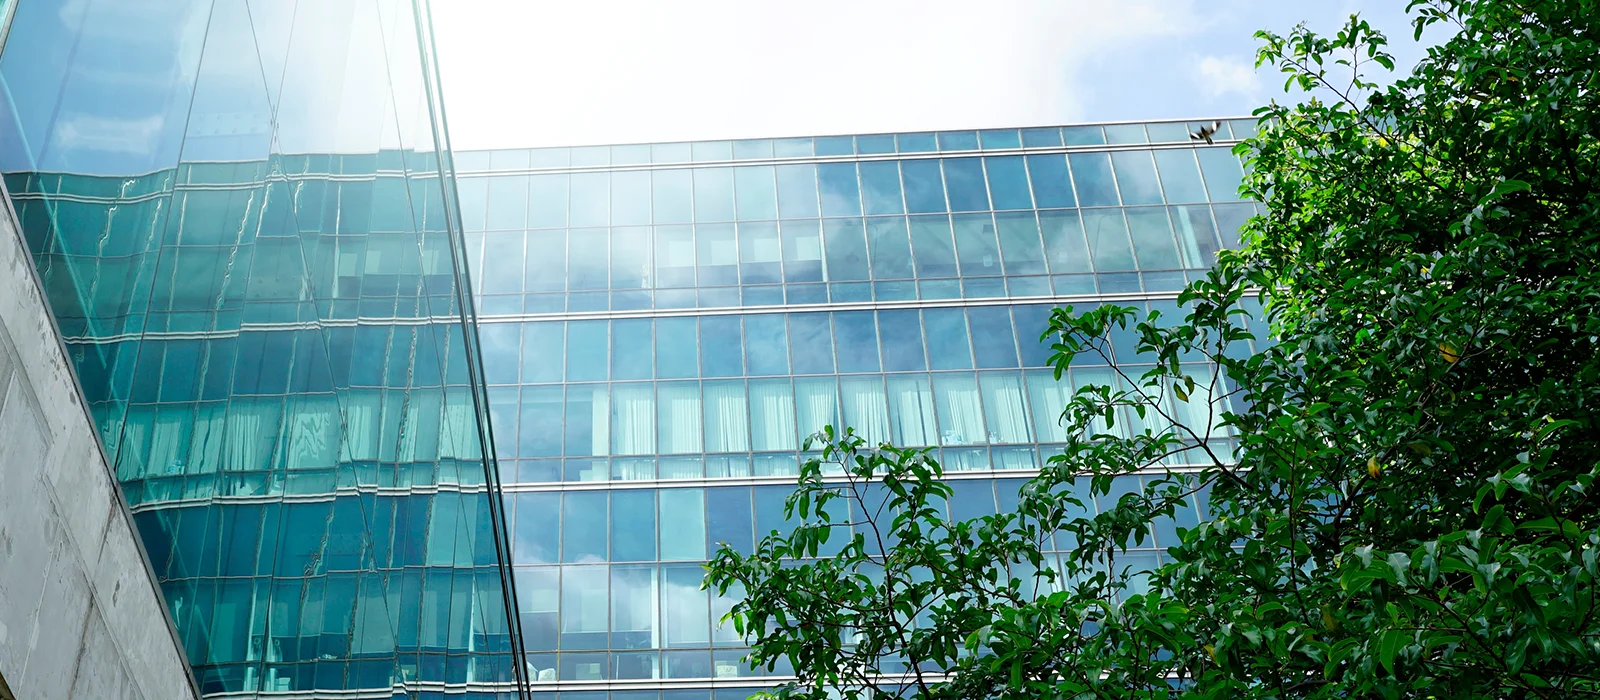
[{"x": 529, "y": 73}]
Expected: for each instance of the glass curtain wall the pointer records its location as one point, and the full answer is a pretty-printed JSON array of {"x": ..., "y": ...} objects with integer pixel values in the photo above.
[
  {"x": 665, "y": 324},
  {"x": 244, "y": 226}
]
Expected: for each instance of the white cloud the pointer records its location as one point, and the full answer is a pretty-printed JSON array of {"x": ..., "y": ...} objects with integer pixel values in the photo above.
[{"x": 1221, "y": 76}]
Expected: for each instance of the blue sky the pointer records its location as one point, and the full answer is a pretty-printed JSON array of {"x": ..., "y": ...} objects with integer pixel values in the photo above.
[{"x": 519, "y": 73}]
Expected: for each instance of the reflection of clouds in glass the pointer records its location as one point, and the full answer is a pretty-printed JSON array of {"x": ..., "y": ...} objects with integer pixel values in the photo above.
[{"x": 108, "y": 134}]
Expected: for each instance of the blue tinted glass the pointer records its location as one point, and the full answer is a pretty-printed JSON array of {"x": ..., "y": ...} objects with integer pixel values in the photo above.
[
  {"x": 1019, "y": 243},
  {"x": 1152, "y": 238},
  {"x": 766, "y": 344},
  {"x": 802, "y": 250},
  {"x": 975, "y": 245},
  {"x": 583, "y": 539},
  {"x": 753, "y": 149},
  {"x": 549, "y": 157},
  {"x": 1168, "y": 132},
  {"x": 935, "y": 253},
  {"x": 1041, "y": 138},
  {"x": 630, "y": 197},
  {"x": 1000, "y": 138},
  {"x": 1063, "y": 241},
  {"x": 586, "y": 351},
  {"x": 792, "y": 148},
  {"x": 891, "y": 252},
  {"x": 547, "y": 261},
  {"x": 846, "y": 248},
  {"x": 540, "y": 435},
  {"x": 757, "y": 198},
  {"x": 902, "y": 341},
  {"x": 947, "y": 339},
  {"x": 924, "y": 186},
  {"x": 631, "y": 154},
  {"x": 963, "y": 181},
  {"x": 547, "y": 200},
  {"x": 537, "y": 537},
  {"x": 971, "y": 498},
  {"x": 508, "y": 202},
  {"x": 716, "y": 254},
  {"x": 729, "y": 518},
  {"x": 498, "y": 343},
  {"x": 856, "y": 338},
  {"x": 1197, "y": 235},
  {"x": 880, "y": 183},
  {"x": 759, "y": 253},
  {"x": 1008, "y": 182},
  {"x": 958, "y": 140},
  {"x": 673, "y": 196},
  {"x": 1108, "y": 240},
  {"x": 810, "y": 343},
  {"x": 1031, "y": 323},
  {"x": 917, "y": 143},
  {"x": 1091, "y": 172},
  {"x": 591, "y": 155},
  {"x": 1231, "y": 218},
  {"x": 683, "y": 524},
  {"x": 840, "y": 193},
  {"x": 1222, "y": 173},
  {"x": 1180, "y": 179},
  {"x": 1136, "y": 177},
  {"x": 473, "y": 194},
  {"x": 797, "y": 191},
  {"x": 835, "y": 145},
  {"x": 877, "y": 143},
  {"x": 1082, "y": 135},
  {"x": 713, "y": 194},
  {"x": 1242, "y": 128},
  {"x": 633, "y": 525},
  {"x": 1125, "y": 133},
  {"x": 670, "y": 153},
  {"x": 1052, "y": 187},
  {"x": 591, "y": 199},
  {"x": 585, "y": 420},
  {"x": 711, "y": 150},
  {"x": 631, "y": 340},
  {"x": 993, "y": 343},
  {"x": 677, "y": 354},
  {"x": 721, "y": 347},
  {"x": 630, "y": 257}
]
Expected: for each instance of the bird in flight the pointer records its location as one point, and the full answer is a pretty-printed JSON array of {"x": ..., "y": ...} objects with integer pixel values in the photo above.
[{"x": 1205, "y": 132}]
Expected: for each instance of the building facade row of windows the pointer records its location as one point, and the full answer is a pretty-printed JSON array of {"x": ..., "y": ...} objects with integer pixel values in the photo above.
[
  {"x": 868, "y": 188},
  {"x": 865, "y": 144}
]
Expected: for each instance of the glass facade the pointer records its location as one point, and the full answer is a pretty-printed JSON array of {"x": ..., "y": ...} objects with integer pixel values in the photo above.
[
  {"x": 664, "y": 324},
  {"x": 249, "y": 239}
]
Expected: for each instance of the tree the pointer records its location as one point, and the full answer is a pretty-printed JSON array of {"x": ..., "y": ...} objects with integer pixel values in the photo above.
[{"x": 1400, "y": 486}]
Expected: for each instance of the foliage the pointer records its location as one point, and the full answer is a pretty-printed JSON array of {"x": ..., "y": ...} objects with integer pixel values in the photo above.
[{"x": 1401, "y": 482}]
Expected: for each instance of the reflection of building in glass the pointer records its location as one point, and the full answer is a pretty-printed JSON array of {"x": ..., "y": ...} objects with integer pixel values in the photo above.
[
  {"x": 664, "y": 324},
  {"x": 257, "y": 260},
  {"x": 236, "y": 211}
]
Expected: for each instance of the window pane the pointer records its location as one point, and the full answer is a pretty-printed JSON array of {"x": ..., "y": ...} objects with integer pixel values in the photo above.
[
  {"x": 541, "y": 424},
  {"x": 960, "y": 412},
  {"x": 591, "y": 199},
  {"x": 537, "y": 535},
  {"x": 673, "y": 196},
  {"x": 947, "y": 339},
  {"x": 1049, "y": 399},
  {"x": 547, "y": 201},
  {"x": 586, "y": 351},
  {"x": 1180, "y": 179},
  {"x": 1005, "y": 409},
  {"x": 716, "y": 254},
  {"x": 963, "y": 181},
  {"x": 631, "y": 340},
  {"x": 1019, "y": 243},
  {"x": 766, "y": 344},
  {"x": 856, "y": 338},
  {"x": 846, "y": 248},
  {"x": 630, "y": 197},
  {"x": 880, "y": 183},
  {"x": 1091, "y": 172},
  {"x": 508, "y": 202},
  {"x": 585, "y": 607},
  {"x": 1197, "y": 236},
  {"x": 1000, "y": 138},
  {"x": 729, "y": 519},
  {"x": 713, "y": 194},
  {"x": 1222, "y": 173},
  {"x": 720, "y": 347},
  {"x": 911, "y": 411},
  {"x": 634, "y": 595},
  {"x": 674, "y": 256},
  {"x": 891, "y": 252},
  {"x": 1008, "y": 182},
  {"x": 816, "y": 401},
  {"x": 726, "y": 419},
  {"x": 772, "y": 415},
  {"x": 1052, "y": 186},
  {"x": 1083, "y": 135},
  {"x": 797, "y": 191},
  {"x": 685, "y": 609},
  {"x": 1152, "y": 238},
  {"x": 583, "y": 537},
  {"x": 757, "y": 197},
  {"x": 1125, "y": 133},
  {"x": 1041, "y": 138},
  {"x": 993, "y": 343},
  {"x": 935, "y": 254},
  {"x": 1032, "y": 320},
  {"x": 840, "y": 194},
  {"x": 683, "y": 524},
  {"x": 541, "y": 351},
  {"x": 677, "y": 354},
  {"x": 975, "y": 244},
  {"x": 902, "y": 341},
  {"x": 924, "y": 186},
  {"x": 958, "y": 140},
  {"x": 1108, "y": 240},
  {"x": 759, "y": 257},
  {"x": 678, "y": 418},
  {"x": 1063, "y": 241},
  {"x": 587, "y": 420},
  {"x": 589, "y": 260},
  {"x": 802, "y": 251},
  {"x": 1136, "y": 176},
  {"x": 810, "y": 343},
  {"x": 866, "y": 407},
  {"x": 547, "y": 261},
  {"x": 630, "y": 257},
  {"x": 633, "y": 419}
]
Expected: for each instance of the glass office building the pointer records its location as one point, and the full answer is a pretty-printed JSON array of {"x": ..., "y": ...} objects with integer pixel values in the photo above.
[
  {"x": 243, "y": 217},
  {"x": 662, "y": 325}
]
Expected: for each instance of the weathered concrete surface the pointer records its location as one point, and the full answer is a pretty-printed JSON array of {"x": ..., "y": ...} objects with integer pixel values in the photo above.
[{"x": 80, "y": 614}]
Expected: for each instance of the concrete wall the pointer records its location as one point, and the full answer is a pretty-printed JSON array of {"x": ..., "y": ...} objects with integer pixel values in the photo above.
[{"x": 80, "y": 613}]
